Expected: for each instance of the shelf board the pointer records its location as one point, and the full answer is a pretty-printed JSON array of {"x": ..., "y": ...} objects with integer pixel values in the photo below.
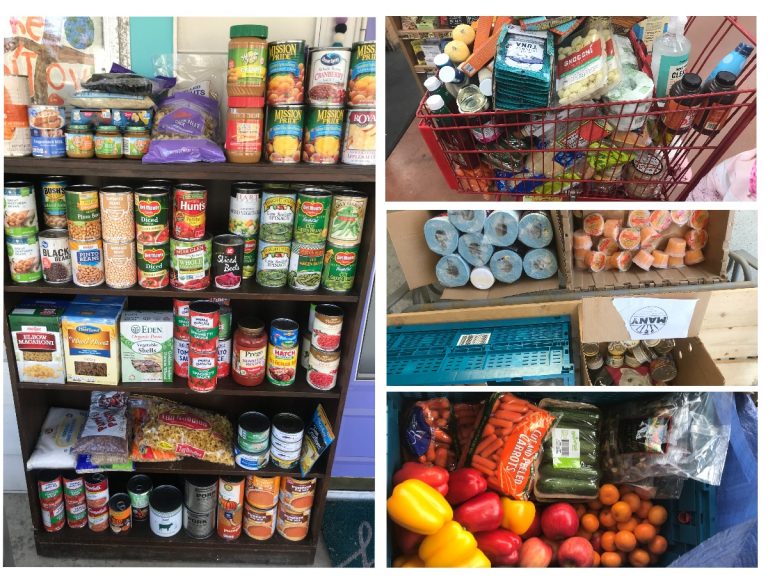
[
  {"x": 192, "y": 171},
  {"x": 248, "y": 291},
  {"x": 195, "y": 466},
  {"x": 406, "y": 33},
  {"x": 424, "y": 68}
]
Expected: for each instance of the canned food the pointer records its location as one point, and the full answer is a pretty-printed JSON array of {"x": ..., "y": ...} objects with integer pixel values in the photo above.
[
  {"x": 229, "y": 522},
  {"x": 120, "y": 513},
  {"x": 223, "y": 358},
  {"x": 46, "y": 124},
  {"x": 200, "y": 493},
  {"x": 277, "y": 215},
  {"x": 116, "y": 204},
  {"x": 359, "y": 146},
  {"x": 284, "y": 333},
  {"x": 328, "y": 73},
  {"x": 616, "y": 348},
  {"x": 615, "y": 360},
  {"x": 323, "y": 368},
  {"x": 203, "y": 326},
  {"x": 199, "y": 525},
  {"x": 322, "y": 134},
  {"x": 590, "y": 349},
  {"x": 262, "y": 492},
  {"x": 108, "y": 142},
  {"x": 56, "y": 261},
  {"x": 191, "y": 263},
  {"x": 292, "y": 525},
  {"x": 139, "y": 488},
  {"x": 283, "y": 135},
  {"x": 20, "y": 209},
  {"x": 287, "y": 428},
  {"x": 189, "y": 201},
  {"x": 49, "y": 488},
  {"x": 347, "y": 218},
  {"x": 306, "y": 344},
  {"x": 151, "y": 214},
  {"x": 228, "y": 251},
  {"x": 76, "y": 513},
  {"x": 79, "y": 141},
  {"x": 594, "y": 362},
  {"x": 251, "y": 460},
  {"x": 306, "y": 266},
  {"x": 152, "y": 265},
  {"x": 631, "y": 361},
  {"x": 181, "y": 318},
  {"x": 313, "y": 209},
  {"x": 83, "y": 215},
  {"x": 54, "y": 201},
  {"x": 326, "y": 327},
  {"x": 73, "y": 485},
  {"x": 362, "y": 75},
  {"x": 281, "y": 365},
  {"x": 181, "y": 357},
  {"x": 17, "y": 140},
  {"x": 225, "y": 322},
  {"x": 663, "y": 369},
  {"x": 253, "y": 432},
  {"x": 282, "y": 459},
  {"x": 285, "y": 72},
  {"x": 296, "y": 493},
  {"x": 24, "y": 258},
  {"x": 273, "y": 261},
  {"x": 244, "y": 208},
  {"x": 664, "y": 346},
  {"x": 249, "y": 257},
  {"x": 96, "y": 490},
  {"x": 54, "y": 518},
  {"x": 87, "y": 262},
  {"x": 165, "y": 516},
  {"x": 120, "y": 264},
  {"x": 339, "y": 267},
  {"x": 203, "y": 371},
  {"x": 98, "y": 518},
  {"x": 259, "y": 524}
]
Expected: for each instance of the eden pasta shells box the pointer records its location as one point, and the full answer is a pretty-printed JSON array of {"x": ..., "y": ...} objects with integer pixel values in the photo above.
[{"x": 36, "y": 336}]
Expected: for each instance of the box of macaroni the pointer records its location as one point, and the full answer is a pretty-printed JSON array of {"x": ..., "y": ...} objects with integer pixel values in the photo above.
[
  {"x": 36, "y": 334},
  {"x": 91, "y": 338}
]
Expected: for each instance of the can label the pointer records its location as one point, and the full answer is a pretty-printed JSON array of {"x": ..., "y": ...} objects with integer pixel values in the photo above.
[
  {"x": 50, "y": 492},
  {"x": 224, "y": 354},
  {"x": 306, "y": 266},
  {"x": 17, "y": 140},
  {"x": 244, "y": 213},
  {"x": 247, "y": 65},
  {"x": 24, "y": 258},
  {"x": 272, "y": 264},
  {"x": 189, "y": 213},
  {"x": 203, "y": 330},
  {"x": 98, "y": 518},
  {"x": 322, "y": 135},
  {"x": 82, "y": 206},
  {"x": 249, "y": 257},
  {"x": 200, "y": 499},
  {"x": 151, "y": 215},
  {"x": 297, "y": 494},
  {"x": 260, "y": 524},
  {"x": 262, "y": 492},
  {"x": 277, "y": 213},
  {"x": 281, "y": 364},
  {"x": 199, "y": 524},
  {"x": 306, "y": 343},
  {"x": 229, "y": 522},
  {"x": 312, "y": 216},
  {"x": 292, "y": 525},
  {"x": 77, "y": 514},
  {"x": 181, "y": 357},
  {"x": 225, "y": 322},
  {"x": 339, "y": 268},
  {"x": 285, "y": 128},
  {"x": 165, "y": 524},
  {"x": 97, "y": 493},
  {"x": 362, "y": 75},
  {"x": 191, "y": 263},
  {"x": 54, "y": 518},
  {"x": 285, "y": 73},
  {"x": 323, "y": 369},
  {"x": 228, "y": 262},
  {"x": 284, "y": 333},
  {"x": 46, "y": 124},
  {"x": 120, "y": 515},
  {"x": 202, "y": 372},
  {"x": 250, "y": 364},
  {"x": 87, "y": 262},
  {"x": 152, "y": 262},
  {"x": 326, "y": 328},
  {"x": 74, "y": 487},
  {"x": 347, "y": 217},
  {"x": 56, "y": 260},
  {"x": 117, "y": 214},
  {"x": 54, "y": 202},
  {"x": 20, "y": 210},
  {"x": 359, "y": 147},
  {"x": 328, "y": 73}
]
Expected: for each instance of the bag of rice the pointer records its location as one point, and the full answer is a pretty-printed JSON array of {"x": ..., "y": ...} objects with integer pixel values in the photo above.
[{"x": 58, "y": 436}]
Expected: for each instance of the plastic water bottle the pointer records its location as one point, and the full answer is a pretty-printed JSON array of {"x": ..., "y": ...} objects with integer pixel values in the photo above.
[
  {"x": 733, "y": 62},
  {"x": 670, "y": 56}
]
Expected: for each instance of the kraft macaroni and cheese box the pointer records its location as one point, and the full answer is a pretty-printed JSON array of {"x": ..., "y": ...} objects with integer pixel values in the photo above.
[
  {"x": 37, "y": 344},
  {"x": 90, "y": 334}
]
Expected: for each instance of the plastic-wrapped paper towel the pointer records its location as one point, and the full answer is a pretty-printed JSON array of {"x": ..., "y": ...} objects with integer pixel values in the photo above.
[
  {"x": 441, "y": 236},
  {"x": 635, "y": 85},
  {"x": 467, "y": 220},
  {"x": 501, "y": 227},
  {"x": 482, "y": 278},
  {"x": 452, "y": 271},
  {"x": 476, "y": 249},
  {"x": 540, "y": 263},
  {"x": 626, "y": 54},
  {"x": 506, "y": 266},
  {"x": 535, "y": 230}
]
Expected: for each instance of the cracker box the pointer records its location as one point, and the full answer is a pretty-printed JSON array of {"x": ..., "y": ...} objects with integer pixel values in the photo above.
[
  {"x": 146, "y": 346},
  {"x": 37, "y": 344},
  {"x": 91, "y": 344}
]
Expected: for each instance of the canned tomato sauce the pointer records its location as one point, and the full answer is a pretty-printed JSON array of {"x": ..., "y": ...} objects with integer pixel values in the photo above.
[
  {"x": 313, "y": 211},
  {"x": 322, "y": 134},
  {"x": 120, "y": 513},
  {"x": 244, "y": 208},
  {"x": 229, "y": 520},
  {"x": 259, "y": 524},
  {"x": 189, "y": 201},
  {"x": 56, "y": 260},
  {"x": 228, "y": 252},
  {"x": 285, "y": 72},
  {"x": 54, "y": 201},
  {"x": 49, "y": 488},
  {"x": 283, "y": 135},
  {"x": 362, "y": 75},
  {"x": 152, "y": 264},
  {"x": 151, "y": 214},
  {"x": 139, "y": 488},
  {"x": 24, "y": 258},
  {"x": 328, "y": 73},
  {"x": 292, "y": 525},
  {"x": 262, "y": 492},
  {"x": 20, "y": 209},
  {"x": 191, "y": 263},
  {"x": 83, "y": 214},
  {"x": 359, "y": 147},
  {"x": 165, "y": 516},
  {"x": 296, "y": 493},
  {"x": 203, "y": 326}
]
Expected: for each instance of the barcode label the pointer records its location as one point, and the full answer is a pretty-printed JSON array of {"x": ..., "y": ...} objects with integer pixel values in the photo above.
[
  {"x": 566, "y": 448},
  {"x": 474, "y": 339}
]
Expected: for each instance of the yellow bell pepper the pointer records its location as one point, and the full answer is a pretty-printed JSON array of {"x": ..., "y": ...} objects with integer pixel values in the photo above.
[
  {"x": 518, "y": 515},
  {"x": 408, "y": 562},
  {"x": 452, "y": 547},
  {"x": 418, "y": 507}
]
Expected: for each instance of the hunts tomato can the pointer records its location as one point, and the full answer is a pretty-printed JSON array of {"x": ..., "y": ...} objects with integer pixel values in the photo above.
[
  {"x": 313, "y": 212},
  {"x": 347, "y": 218},
  {"x": 285, "y": 72},
  {"x": 151, "y": 214},
  {"x": 189, "y": 201},
  {"x": 283, "y": 134},
  {"x": 359, "y": 146},
  {"x": 229, "y": 521},
  {"x": 328, "y": 73},
  {"x": 306, "y": 266},
  {"x": 339, "y": 268},
  {"x": 272, "y": 264},
  {"x": 244, "y": 208},
  {"x": 120, "y": 513},
  {"x": 362, "y": 75},
  {"x": 228, "y": 252},
  {"x": 322, "y": 134},
  {"x": 278, "y": 210},
  {"x": 191, "y": 263},
  {"x": 152, "y": 264},
  {"x": 250, "y": 243}
]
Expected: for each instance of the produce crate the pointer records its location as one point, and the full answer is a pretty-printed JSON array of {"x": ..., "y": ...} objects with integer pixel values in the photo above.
[
  {"x": 534, "y": 351},
  {"x": 563, "y": 172}
]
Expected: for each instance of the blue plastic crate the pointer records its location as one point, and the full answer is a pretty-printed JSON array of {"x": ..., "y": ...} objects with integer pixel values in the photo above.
[
  {"x": 691, "y": 519},
  {"x": 521, "y": 351}
]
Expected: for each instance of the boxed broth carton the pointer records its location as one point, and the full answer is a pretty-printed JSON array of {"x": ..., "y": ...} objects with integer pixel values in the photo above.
[
  {"x": 91, "y": 346},
  {"x": 146, "y": 342}
]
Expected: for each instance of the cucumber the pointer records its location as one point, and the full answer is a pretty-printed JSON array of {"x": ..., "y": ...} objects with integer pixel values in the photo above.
[
  {"x": 586, "y": 416},
  {"x": 549, "y": 471},
  {"x": 567, "y": 486},
  {"x": 568, "y": 422},
  {"x": 587, "y": 459}
]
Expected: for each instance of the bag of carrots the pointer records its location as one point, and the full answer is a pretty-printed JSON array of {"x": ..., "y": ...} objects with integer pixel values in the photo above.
[
  {"x": 429, "y": 433},
  {"x": 507, "y": 443},
  {"x": 467, "y": 418}
]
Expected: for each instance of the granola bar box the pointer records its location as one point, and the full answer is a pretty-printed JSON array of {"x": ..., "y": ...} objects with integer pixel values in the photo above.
[
  {"x": 146, "y": 345},
  {"x": 91, "y": 343},
  {"x": 36, "y": 334}
]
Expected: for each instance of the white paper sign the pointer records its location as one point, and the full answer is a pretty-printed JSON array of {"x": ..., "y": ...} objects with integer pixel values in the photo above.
[{"x": 655, "y": 318}]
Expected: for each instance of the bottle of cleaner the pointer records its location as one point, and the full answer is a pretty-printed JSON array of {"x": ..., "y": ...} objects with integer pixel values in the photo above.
[
  {"x": 733, "y": 62},
  {"x": 670, "y": 56}
]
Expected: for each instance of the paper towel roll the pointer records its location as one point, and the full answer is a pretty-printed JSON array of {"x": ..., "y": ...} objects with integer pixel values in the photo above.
[
  {"x": 467, "y": 220},
  {"x": 535, "y": 230},
  {"x": 452, "y": 271},
  {"x": 540, "y": 263},
  {"x": 501, "y": 227},
  {"x": 506, "y": 266},
  {"x": 475, "y": 248},
  {"x": 441, "y": 236}
]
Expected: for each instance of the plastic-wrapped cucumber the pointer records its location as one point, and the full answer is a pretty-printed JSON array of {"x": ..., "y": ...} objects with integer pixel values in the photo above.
[
  {"x": 585, "y": 458},
  {"x": 441, "y": 236},
  {"x": 467, "y": 220},
  {"x": 475, "y": 249},
  {"x": 506, "y": 265},
  {"x": 548, "y": 470},
  {"x": 535, "y": 230},
  {"x": 482, "y": 278},
  {"x": 540, "y": 263},
  {"x": 554, "y": 486},
  {"x": 501, "y": 227},
  {"x": 452, "y": 271}
]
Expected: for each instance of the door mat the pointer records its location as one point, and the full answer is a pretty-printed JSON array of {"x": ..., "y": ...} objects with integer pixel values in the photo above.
[{"x": 348, "y": 533}]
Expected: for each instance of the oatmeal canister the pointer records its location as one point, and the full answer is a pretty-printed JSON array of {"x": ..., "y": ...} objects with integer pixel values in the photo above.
[
  {"x": 328, "y": 73},
  {"x": 258, "y": 523},
  {"x": 200, "y": 493},
  {"x": 306, "y": 266},
  {"x": 285, "y": 72},
  {"x": 151, "y": 213},
  {"x": 165, "y": 516},
  {"x": 20, "y": 209},
  {"x": 273, "y": 260},
  {"x": 191, "y": 263},
  {"x": 189, "y": 202},
  {"x": 362, "y": 75},
  {"x": 229, "y": 521},
  {"x": 87, "y": 262},
  {"x": 54, "y": 201},
  {"x": 56, "y": 261},
  {"x": 359, "y": 147},
  {"x": 347, "y": 218},
  {"x": 283, "y": 133},
  {"x": 120, "y": 513},
  {"x": 116, "y": 204},
  {"x": 244, "y": 208},
  {"x": 313, "y": 211},
  {"x": 119, "y": 264},
  {"x": 292, "y": 525},
  {"x": 278, "y": 210},
  {"x": 339, "y": 268},
  {"x": 296, "y": 493},
  {"x": 228, "y": 252},
  {"x": 322, "y": 134},
  {"x": 139, "y": 489},
  {"x": 152, "y": 264},
  {"x": 24, "y": 258},
  {"x": 261, "y": 492},
  {"x": 83, "y": 214}
]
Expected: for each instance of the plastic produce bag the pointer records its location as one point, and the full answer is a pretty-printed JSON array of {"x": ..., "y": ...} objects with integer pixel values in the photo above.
[
  {"x": 196, "y": 73},
  {"x": 428, "y": 433},
  {"x": 159, "y": 84},
  {"x": 58, "y": 436}
]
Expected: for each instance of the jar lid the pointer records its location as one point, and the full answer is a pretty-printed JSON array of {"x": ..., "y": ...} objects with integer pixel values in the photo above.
[
  {"x": 106, "y": 129},
  {"x": 251, "y": 324},
  {"x": 136, "y": 129},
  {"x": 245, "y": 101},
  {"x": 248, "y": 30},
  {"x": 79, "y": 128}
]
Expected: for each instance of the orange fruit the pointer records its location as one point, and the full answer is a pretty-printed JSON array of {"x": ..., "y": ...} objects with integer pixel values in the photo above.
[
  {"x": 581, "y": 509},
  {"x": 606, "y": 519},
  {"x": 625, "y": 540},
  {"x": 590, "y": 522},
  {"x": 594, "y": 504},
  {"x": 610, "y": 559},
  {"x": 642, "y": 511},
  {"x": 607, "y": 541},
  {"x": 624, "y": 489},
  {"x": 608, "y": 494},
  {"x": 657, "y": 515},
  {"x": 644, "y": 532},
  {"x": 639, "y": 558},
  {"x": 621, "y": 511},
  {"x": 658, "y": 545},
  {"x": 630, "y": 525},
  {"x": 595, "y": 558},
  {"x": 633, "y": 500}
]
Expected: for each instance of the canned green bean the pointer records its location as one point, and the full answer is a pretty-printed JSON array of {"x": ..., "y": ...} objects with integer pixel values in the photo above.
[
  {"x": 24, "y": 258},
  {"x": 339, "y": 268},
  {"x": 347, "y": 217},
  {"x": 313, "y": 210},
  {"x": 272, "y": 264},
  {"x": 306, "y": 265},
  {"x": 249, "y": 256},
  {"x": 277, "y": 212},
  {"x": 20, "y": 209}
]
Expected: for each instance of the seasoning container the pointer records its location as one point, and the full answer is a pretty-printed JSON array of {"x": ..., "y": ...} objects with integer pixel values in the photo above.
[
  {"x": 245, "y": 128},
  {"x": 54, "y": 201},
  {"x": 19, "y": 209},
  {"x": 119, "y": 264},
  {"x": 292, "y": 525},
  {"x": 347, "y": 218},
  {"x": 359, "y": 145},
  {"x": 116, "y": 204},
  {"x": 247, "y": 57},
  {"x": 259, "y": 524},
  {"x": 328, "y": 73},
  {"x": 87, "y": 262},
  {"x": 189, "y": 202},
  {"x": 135, "y": 142},
  {"x": 283, "y": 134},
  {"x": 322, "y": 134},
  {"x": 139, "y": 487},
  {"x": 56, "y": 262},
  {"x": 362, "y": 75},
  {"x": 79, "y": 141},
  {"x": 249, "y": 354},
  {"x": 227, "y": 260},
  {"x": 83, "y": 214},
  {"x": 323, "y": 368},
  {"x": 17, "y": 140},
  {"x": 287, "y": 436},
  {"x": 229, "y": 520},
  {"x": 200, "y": 493},
  {"x": 278, "y": 209},
  {"x": 298, "y": 494},
  {"x": 152, "y": 264},
  {"x": 244, "y": 208},
  {"x": 165, "y": 515},
  {"x": 285, "y": 72},
  {"x": 643, "y": 175},
  {"x": 120, "y": 513},
  {"x": 24, "y": 258},
  {"x": 191, "y": 263},
  {"x": 262, "y": 492},
  {"x": 253, "y": 432},
  {"x": 151, "y": 214},
  {"x": 339, "y": 267},
  {"x": 108, "y": 143},
  {"x": 272, "y": 264}
]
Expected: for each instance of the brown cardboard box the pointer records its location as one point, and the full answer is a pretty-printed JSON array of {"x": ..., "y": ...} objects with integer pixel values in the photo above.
[
  {"x": 417, "y": 261},
  {"x": 712, "y": 270}
]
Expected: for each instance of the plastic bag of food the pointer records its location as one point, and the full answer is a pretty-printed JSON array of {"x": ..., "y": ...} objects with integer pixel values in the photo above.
[
  {"x": 86, "y": 466},
  {"x": 625, "y": 51},
  {"x": 569, "y": 467},
  {"x": 428, "y": 435},
  {"x": 107, "y": 429},
  {"x": 58, "y": 436},
  {"x": 119, "y": 83},
  {"x": 581, "y": 66},
  {"x": 138, "y": 410},
  {"x": 92, "y": 99},
  {"x": 196, "y": 73},
  {"x": 675, "y": 435},
  {"x": 508, "y": 442},
  {"x": 467, "y": 417},
  {"x": 159, "y": 84},
  {"x": 613, "y": 70},
  {"x": 317, "y": 438}
]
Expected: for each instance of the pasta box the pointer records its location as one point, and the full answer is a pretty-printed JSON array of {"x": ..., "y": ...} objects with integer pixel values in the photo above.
[
  {"x": 36, "y": 335},
  {"x": 146, "y": 346},
  {"x": 91, "y": 343}
]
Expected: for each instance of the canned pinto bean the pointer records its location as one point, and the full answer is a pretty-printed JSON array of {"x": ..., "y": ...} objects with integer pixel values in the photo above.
[
  {"x": 297, "y": 494},
  {"x": 200, "y": 493},
  {"x": 83, "y": 215},
  {"x": 313, "y": 211},
  {"x": 322, "y": 134},
  {"x": 116, "y": 204},
  {"x": 285, "y": 72},
  {"x": 120, "y": 264},
  {"x": 228, "y": 252},
  {"x": 253, "y": 432},
  {"x": 56, "y": 261},
  {"x": 259, "y": 524},
  {"x": 359, "y": 147},
  {"x": 87, "y": 262},
  {"x": 326, "y": 327},
  {"x": 292, "y": 525},
  {"x": 347, "y": 218},
  {"x": 120, "y": 513},
  {"x": 191, "y": 263},
  {"x": 153, "y": 263},
  {"x": 339, "y": 268},
  {"x": 54, "y": 201},
  {"x": 189, "y": 201},
  {"x": 244, "y": 208},
  {"x": 273, "y": 261},
  {"x": 328, "y": 73},
  {"x": 284, "y": 132},
  {"x": 20, "y": 209},
  {"x": 139, "y": 488},
  {"x": 165, "y": 516},
  {"x": 362, "y": 75},
  {"x": 306, "y": 266},
  {"x": 151, "y": 214},
  {"x": 24, "y": 258}
]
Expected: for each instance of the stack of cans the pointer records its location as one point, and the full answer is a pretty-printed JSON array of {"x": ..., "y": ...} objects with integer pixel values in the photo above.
[
  {"x": 97, "y": 501},
  {"x": 51, "y": 500},
  {"x": 287, "y": 437},
  {"x": 203, "y": 346},
  {"x": 74, "y": 500},
  {"x": 252, "y": 444},
  {"x": 200, "y": 505}
]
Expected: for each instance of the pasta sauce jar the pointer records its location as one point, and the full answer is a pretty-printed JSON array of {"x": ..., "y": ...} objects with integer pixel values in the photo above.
[
  {"x": 247, "y": 60},
  {"x": 249, "y": 354}
]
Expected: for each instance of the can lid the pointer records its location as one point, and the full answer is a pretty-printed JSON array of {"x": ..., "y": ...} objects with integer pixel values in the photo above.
[
  {"x": 245, "y": 101},
  {"x": 248, "y": 30},
  {"x": 245, "y": 185},
  {"x": 202, "y": 481},
  {"x": 139, "y": 484},
  {"x": 204, "y": 307},
  {"x": 165, "y": 498},
  {"x": 47, "y": 475},
  {"x": 329, "y": 310},
  {"x": 120, "y": 502}
]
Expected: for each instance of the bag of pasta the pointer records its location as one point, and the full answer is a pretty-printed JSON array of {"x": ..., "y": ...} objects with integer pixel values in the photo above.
[{"x": 138, "y": 407}]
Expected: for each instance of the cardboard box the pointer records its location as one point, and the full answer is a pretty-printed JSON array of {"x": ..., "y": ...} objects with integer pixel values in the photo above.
[
  {"x": 146, "y": 346},
  {"x": 712, "y": 270},
  {"x": 91, "y": 343},
  {"x": 36, "y": 334},
  {"x": 417, "y": 261},
  {"x": 600, "y": 322}
]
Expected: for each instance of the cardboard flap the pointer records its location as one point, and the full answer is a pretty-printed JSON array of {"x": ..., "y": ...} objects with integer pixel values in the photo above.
[
  {"x": 406, "y": 231},
  {"x": 602, "y": 322}
]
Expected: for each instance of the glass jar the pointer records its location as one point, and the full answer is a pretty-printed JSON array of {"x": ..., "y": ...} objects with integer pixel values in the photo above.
[
  {"x": 249, "y": 352},
  {"x": 644, "y": 173},
  {"x": 247, "y": 60},
  {"x": 245, "y": 129},
  {"x": 135, "y": 142},
  {"x": 108, "y": 142},
  {"x": 79, "y": 139}
]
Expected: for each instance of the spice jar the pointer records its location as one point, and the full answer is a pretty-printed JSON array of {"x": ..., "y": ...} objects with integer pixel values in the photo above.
[
  {"x": 245, "y": 129},
  {"x": 247, "y": 60},
  {"x": 108, "y": 142},
  {"x": 135, "y": 142},
  {"x": 249, "y": 354},
  {"x": 79, "y": 142}
]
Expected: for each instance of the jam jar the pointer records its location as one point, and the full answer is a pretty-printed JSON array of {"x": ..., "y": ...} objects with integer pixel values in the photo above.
[
  {"x": 79, "y": 141},
  {"x": 249, "y": 352},
  {"x": 108, "y": 142}
]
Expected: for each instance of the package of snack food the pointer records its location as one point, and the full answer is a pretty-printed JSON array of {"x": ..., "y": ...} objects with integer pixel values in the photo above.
[
  {"x": 138, "y": 410},
  {"x": 582, "y": 71},
  {"x": 317, "y": 439},
  {"x": 428, "y": 433}
]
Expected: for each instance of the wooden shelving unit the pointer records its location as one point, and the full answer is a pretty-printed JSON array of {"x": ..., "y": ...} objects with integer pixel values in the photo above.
[
  {"x": 32, "y": 400},
  {"x": 400, "y": 38}
]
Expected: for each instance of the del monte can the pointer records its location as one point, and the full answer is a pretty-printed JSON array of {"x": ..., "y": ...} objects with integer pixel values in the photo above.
[{"x": 313, "y": 208}]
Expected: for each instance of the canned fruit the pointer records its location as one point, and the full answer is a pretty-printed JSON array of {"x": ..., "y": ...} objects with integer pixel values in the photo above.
[
  {"x": 313, "y": 210},
  {"x": 20, "y": 209},
  {"x": 272, "y": 264},
  {"x": 151, "y": 214},
  {"x": 277, "y": 216},
  {"x": 339, "y": 268},
  {"x": 362, "y": 75},
  {"x": 191, "y": 263},
  {"x": 24, "y": 258},
  {"x": 285, "y": 72},
  {"x": 359, "y": 146},
  {"x": 284, "y": 133},
  {"x": 328, "y": 72},
  {"x": 189, "y": 202},
  {"x": 322, "y": 135},
  {"x": 152, "y": 262}
]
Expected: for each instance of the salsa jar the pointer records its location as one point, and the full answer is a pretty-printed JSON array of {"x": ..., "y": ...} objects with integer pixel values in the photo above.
[
  {"x": 135, "y": 142},
  {"x": 247, "y": 60},
  {"x": 79, "y": 141},
  {"x": 245, "y": 128},
  {"x": 249, "y": 353},
  {"x": 108, "y": 142},
  {"x": 285, "y": 72}
]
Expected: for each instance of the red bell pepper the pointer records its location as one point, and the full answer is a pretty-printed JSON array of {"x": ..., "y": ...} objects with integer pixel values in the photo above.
[
  {"x": 435, "y": 476},
  {"x": 481, "y": 513},
  {"x": 502, "y": 547},
  {"x": 463, "y": 484},
  {"x": 407, "y": 541}
]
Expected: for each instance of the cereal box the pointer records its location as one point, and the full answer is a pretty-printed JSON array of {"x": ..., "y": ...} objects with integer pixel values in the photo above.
[
  {"x": 36, "y": 334},
  {"x": 91, "y": 345},
  {"x": 146, "y": 346}
]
